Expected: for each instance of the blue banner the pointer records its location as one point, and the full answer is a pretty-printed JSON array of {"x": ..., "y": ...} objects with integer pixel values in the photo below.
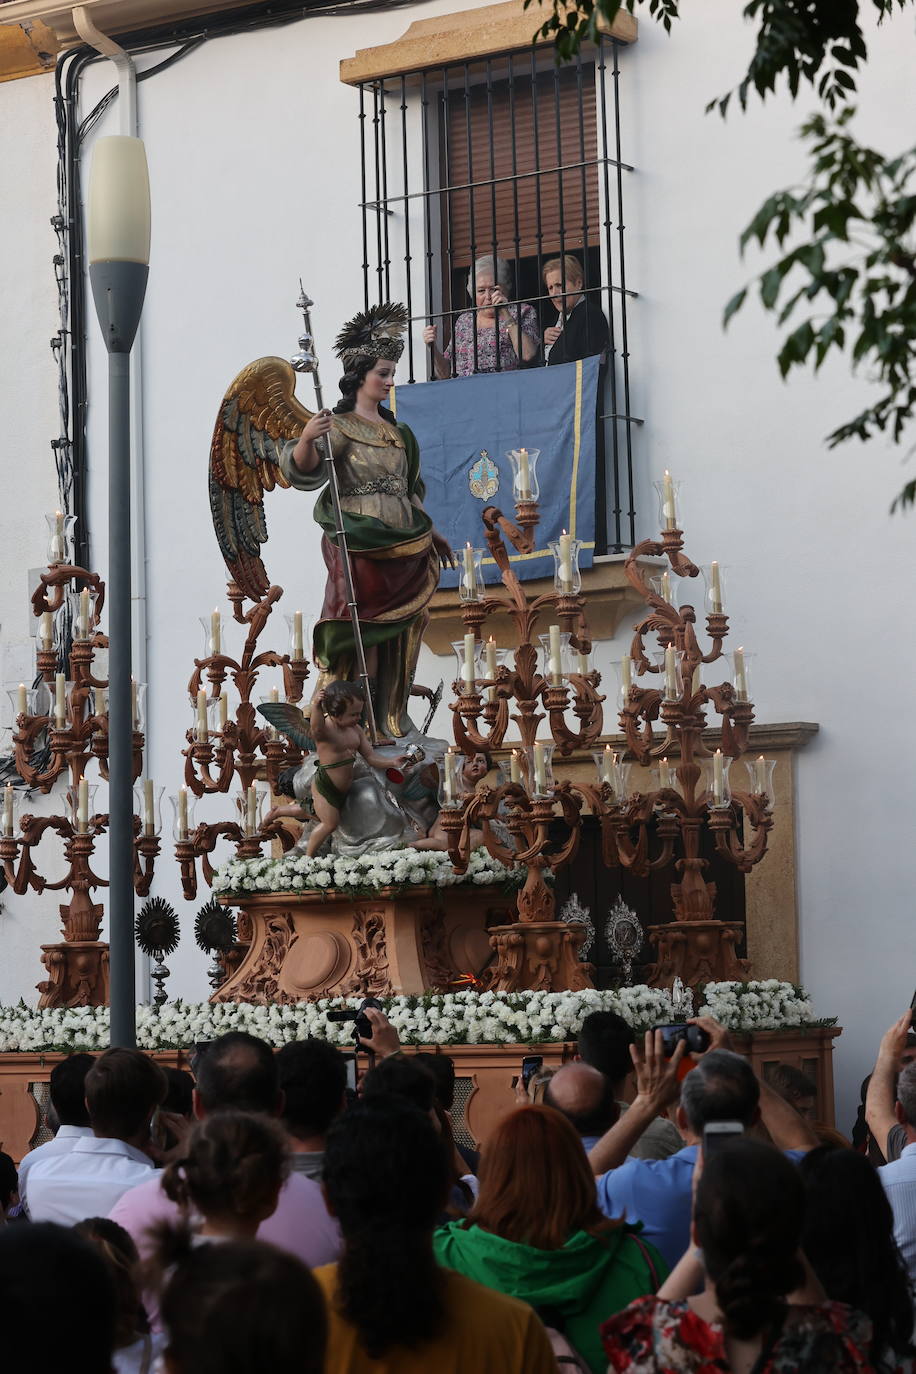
[{"x": 465, "y": 426}]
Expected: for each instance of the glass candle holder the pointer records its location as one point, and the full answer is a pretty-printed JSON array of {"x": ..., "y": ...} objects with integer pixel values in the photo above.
[
  {"x": 718, "y": 790},
  {"x": 184, "y": 806},
  {"x": 669, "y": 516},
  {"x": 611, "y": 771},
  {"x": 518, "y": 767},
  {"x": 206, "y": 716},
  {"x": 9, "y": 811},
  {"x": 491, "y": 660},
  {"x": 212, "y": 626},
  {"x": 470, "y": 576},
  {"x": 272, "y": 699},
  {"x": 100, "y": 701},
  {"x": 138, "y": 704},
  {"x": 760, "y": 778},
  {"x": 44, "y": 633},
  {"x": 715, "y": 589},
  {"x": 81, "y": 804},
  {"x": 25, "y": 701},
  {"x": 60, "y": 537},
  {"x": 555, "y": 652},
  {"x": 567, "y": 579},
  {"x": 625, "y": 669},
  {"x": 540, "y": 768},
  {"x": 300, "y": 634},
  {"x": 83, "y": 612},
  {"x": 467, "y": 651},
  {"x": 148, "y": 806},
  {"x": 450, "y": 786},
  {"x": 524, "y": 462},
  {"x": 249, "y": 806},
  {"x": 57, "y": 696},
  {"x": 664, "y": 584},
  {"x": 741, "y": 672},
  {"x": 672, "y": 683},
  {"x": 664, "y": 776}
]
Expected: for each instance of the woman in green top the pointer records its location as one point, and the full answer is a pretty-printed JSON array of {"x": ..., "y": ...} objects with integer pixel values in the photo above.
[{"x": 536, "y": 1233}]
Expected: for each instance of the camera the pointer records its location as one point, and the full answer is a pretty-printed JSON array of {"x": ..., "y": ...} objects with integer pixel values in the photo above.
[
  {"x": 697, "y": 1039},
  {"x": 362, "y": 1026}
]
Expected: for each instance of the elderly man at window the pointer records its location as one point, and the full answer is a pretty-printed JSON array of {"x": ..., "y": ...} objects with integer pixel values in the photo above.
[
  {"x": 581, "y": 329},
  {"x": 495, "y": 336}
]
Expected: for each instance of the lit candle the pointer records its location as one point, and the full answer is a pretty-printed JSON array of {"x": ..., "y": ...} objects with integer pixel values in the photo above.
[
  {"x": 668, "y": 508},
  {"x": 556, "y": 659},
  {"x": 98, "y": 697},
  {"x": 451, "y": 777},
  {"x": 46, "y": 630},
  {"x": 149, "y": 819},
  {"x": 670, "y": 673},
  {"x": 664, "y": 774},
  {"x": 515, "y": 768},
  {"x": 57, "y": 543},
  {"x": 275, "y": 693},
  {"x": 540, "y": 768},
  {"x": 251, "y": 810},
  {"x": 223, "y": 710},
  {"x": 565, "y": 549},
  {"x": 491, "y": 666},
  {"x": 608, "y": 759},
  {"x": 740, "y": 676},
  {"x": 215, "y": 633},
  {"x": 524, "y": 476},
  {"x": 202, "y": 717},
  {"x": 134, "y": 708},
  {"x": 22, "y": 700},
  {"x": 469, "y": 674},
  {"x": 760, "y": 773},
  {"x": 666, "y": 587},
  {"x": 82, "y": 806},
  {"x": 60, "y": 701},
  {"x": 298, "y": 647},
  {"x": 82, "y": 622},
  {"x": 470, "y": 575},
  {"x": 182, "y": 813},
  {"x": 718, "y": 779},
  {"x": 715, "y": 588},
  {"x": 8, "y": 809}
]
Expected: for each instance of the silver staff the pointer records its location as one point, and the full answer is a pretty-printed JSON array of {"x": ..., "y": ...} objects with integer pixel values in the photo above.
[{"x": 306, "y": 361}]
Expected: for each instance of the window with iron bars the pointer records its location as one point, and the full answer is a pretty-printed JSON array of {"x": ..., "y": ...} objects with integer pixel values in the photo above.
[{"x": 508, "y": 157}]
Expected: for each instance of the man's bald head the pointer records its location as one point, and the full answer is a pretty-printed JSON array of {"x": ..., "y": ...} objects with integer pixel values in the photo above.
[
  {"x": 584, "y": 1096},
  {"x": 237, "y": 1072}
]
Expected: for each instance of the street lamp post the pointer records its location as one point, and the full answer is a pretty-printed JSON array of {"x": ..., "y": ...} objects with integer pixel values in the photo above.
[{"x": 119, "y": 234}]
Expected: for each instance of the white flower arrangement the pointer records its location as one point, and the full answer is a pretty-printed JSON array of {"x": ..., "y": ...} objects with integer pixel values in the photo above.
[
  {"x": 450, "y": 1018},
  {"x": 367, "y": 874}
]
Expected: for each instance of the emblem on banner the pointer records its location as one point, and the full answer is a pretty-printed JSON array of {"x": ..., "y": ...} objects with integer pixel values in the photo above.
[{"x": 483, "y": 477}]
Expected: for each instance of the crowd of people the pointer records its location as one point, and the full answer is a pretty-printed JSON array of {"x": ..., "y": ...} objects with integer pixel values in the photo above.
[{"x": 260, "y": 1213}]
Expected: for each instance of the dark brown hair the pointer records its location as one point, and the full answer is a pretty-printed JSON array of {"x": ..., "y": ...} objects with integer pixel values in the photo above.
[
  {"x": 120, "y": 1255},
  {"x": 536, "y": 1187},
  {"x": 123, "y": 1089},
  {"x": 234, "y": 1163},
  {"x": 338, "y": 694}
]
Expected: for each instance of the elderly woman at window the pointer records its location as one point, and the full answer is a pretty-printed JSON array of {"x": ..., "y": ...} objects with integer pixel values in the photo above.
[{"x": 510, "y": 329}]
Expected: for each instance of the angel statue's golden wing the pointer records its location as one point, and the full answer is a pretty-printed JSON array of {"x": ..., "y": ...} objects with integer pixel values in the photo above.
[{"x": 258, "y": 414}]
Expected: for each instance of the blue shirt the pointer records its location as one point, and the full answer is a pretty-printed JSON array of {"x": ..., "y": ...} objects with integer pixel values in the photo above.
[{"x": 657, "y": 1192}]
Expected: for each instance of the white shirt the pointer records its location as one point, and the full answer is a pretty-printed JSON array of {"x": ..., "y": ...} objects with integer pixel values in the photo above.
[
  {"x": 899, "y": 1180},
  {"x": 62, "y": 1144},
  {"x": 86, "y": 1181}
]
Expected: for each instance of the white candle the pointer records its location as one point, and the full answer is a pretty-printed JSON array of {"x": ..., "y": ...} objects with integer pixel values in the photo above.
[
  {"x": 556, "y": 658},
  {"x": 60, "y": 701},
  {"x": 608, "y": 759},
  {"x": 216, "y": 642},
  {"x": 540, "y": 768},
  {"x": 82, "y": 806},
  {"x": 46, "y": 630},
  {"x": 469, "y": 673},
  {"x": 149, "y": 819},
  {"x": 22, "y": 700},
  {"x": 740, "y": 676},
  {"x": 470, "y": 575},
  {"x": 515, "y": 768},
  {"x": 582, "y": 663},
  {"x": 626, "y": 675},
  {"x": 668, "y": 509},
  {"x": 223, "y": 710},
  {"x": 491, "y": 666},
  {"x": 98, "y": 697},
  {"x": 715, "y": 588},
  {"x": 718, "y": 779},
  {"x": 666, "y": 587},
  {"x": 57, "y": 543},
  {"x": 670, "y": 673},
  {"x": 82, "y": 622},
  {"x": 182, "y": 813},
  {"x": 524, "y": 476},
  {"x": 760, "y": 773},
  {"x": 251, "y": 810},
  {"x": 565, "y": 549},
  {"x": 201, "y": 717},
  {"x": 664, "y": 774},
  {"x": 8, "y": 809},
  {"x": 298, "y": 647},
  {"x": 451, "y": 777}
]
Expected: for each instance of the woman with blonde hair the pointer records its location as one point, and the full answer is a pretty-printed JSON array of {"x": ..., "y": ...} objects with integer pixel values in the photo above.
[{"x": 536, "y": 1233}]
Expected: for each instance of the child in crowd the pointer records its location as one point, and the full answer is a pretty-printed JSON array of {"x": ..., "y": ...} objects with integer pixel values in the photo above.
[
  {"x": 136, "y": 1347},
  {"x": 234, "y": 1166}
]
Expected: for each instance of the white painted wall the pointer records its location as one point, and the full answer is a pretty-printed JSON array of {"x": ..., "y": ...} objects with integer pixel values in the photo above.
[{"x": 253, "y": 149}]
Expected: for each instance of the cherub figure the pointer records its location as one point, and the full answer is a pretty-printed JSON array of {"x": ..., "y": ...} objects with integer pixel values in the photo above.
[
  {"x": 471, "y": 770},
  {"x": 338, "y": 738}
]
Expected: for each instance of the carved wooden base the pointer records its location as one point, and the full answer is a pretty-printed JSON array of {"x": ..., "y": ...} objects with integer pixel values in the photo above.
[
  {"x": 77, "y": 974},
  {"x": 540, "y": 956},
  {"x": 696, "y": 952},
  {"x": 310, "y": 945}
]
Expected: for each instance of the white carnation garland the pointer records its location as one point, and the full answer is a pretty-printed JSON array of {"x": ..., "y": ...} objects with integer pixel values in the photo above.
[
  {"x": 453, "y": 1018},
  {"x": 369, "y": 873}
]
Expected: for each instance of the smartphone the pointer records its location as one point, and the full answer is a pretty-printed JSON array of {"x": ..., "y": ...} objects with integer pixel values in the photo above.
[
  {"x": 351, "y": 1072},
  {"x": 530, "y": 1065},
  {"x": 718, "y": 1133}
]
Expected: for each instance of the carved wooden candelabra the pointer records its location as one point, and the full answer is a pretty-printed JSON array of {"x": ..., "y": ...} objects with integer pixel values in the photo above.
[{"x": 58, "y": 743}]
